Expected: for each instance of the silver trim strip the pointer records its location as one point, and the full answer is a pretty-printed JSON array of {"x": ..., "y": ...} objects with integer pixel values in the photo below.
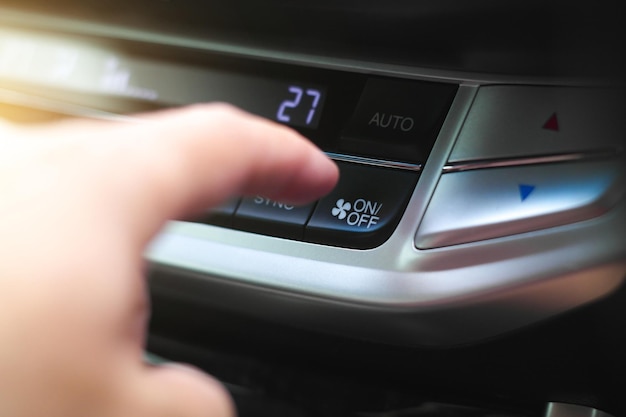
[
  {"x": 60, "y": 107},
  {"x": 572, "y": 410},
  {"x": 374, "y": 162},
  {"x": 534, "y": 160}
]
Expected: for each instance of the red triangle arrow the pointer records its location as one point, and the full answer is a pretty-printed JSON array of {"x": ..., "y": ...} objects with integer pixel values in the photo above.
[{"x": 552, "y": 123}]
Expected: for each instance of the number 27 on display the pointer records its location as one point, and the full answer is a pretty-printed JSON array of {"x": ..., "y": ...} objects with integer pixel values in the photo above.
[{"x": 293, "y": 103}]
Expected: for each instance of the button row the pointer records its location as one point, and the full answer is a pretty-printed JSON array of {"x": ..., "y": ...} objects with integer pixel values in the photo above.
[{"x": 361, "y": 212}]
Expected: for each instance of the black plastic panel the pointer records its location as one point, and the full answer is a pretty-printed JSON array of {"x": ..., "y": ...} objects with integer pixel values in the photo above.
[{"x": 530, "y": 37}]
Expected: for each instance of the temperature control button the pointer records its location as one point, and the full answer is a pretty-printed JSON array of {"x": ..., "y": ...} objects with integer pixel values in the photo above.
[
  {"x": 476, "y": 205},
  {"x": 514, "y": 121},
  {"x": 363, "y": 209}
]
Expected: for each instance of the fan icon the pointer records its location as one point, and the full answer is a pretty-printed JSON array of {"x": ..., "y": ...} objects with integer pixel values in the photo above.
[{"x": 341, "y": 211}]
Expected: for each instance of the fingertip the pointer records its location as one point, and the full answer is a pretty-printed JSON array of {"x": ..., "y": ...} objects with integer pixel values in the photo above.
[
  {"x": 261, "y": 156},
  {"x": 320, "y": 173},
  {"x": 325, "y": 169}
]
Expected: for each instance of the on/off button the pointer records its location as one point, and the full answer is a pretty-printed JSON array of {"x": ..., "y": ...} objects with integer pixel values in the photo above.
[{"x": 363, "y": 209}]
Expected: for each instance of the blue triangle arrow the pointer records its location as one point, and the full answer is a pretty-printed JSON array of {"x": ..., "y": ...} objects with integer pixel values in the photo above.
[{"x": 525, "y": 190}]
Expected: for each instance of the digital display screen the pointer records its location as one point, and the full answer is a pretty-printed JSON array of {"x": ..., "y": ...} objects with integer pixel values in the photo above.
[
  {"x": 302, "y": 108},
  {"x": 68, "y": 64}
]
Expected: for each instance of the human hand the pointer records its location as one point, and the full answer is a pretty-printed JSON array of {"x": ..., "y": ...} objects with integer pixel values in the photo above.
[{"x": 80, "y": 200}]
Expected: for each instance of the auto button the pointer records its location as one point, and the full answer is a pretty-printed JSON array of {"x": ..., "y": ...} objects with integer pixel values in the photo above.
[
  {"x": 363, "y": 209},
  {"x": 397, "y": 119}
]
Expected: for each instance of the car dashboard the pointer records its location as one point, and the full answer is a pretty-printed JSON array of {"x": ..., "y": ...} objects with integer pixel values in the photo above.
[{"x": 470, "y": 260}]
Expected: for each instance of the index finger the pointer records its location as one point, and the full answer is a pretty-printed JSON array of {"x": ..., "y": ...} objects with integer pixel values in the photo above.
[{"x": 177, "y": 162}]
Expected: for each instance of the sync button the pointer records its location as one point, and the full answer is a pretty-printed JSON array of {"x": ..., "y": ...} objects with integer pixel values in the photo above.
[{"x": 262, "y": 215}]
